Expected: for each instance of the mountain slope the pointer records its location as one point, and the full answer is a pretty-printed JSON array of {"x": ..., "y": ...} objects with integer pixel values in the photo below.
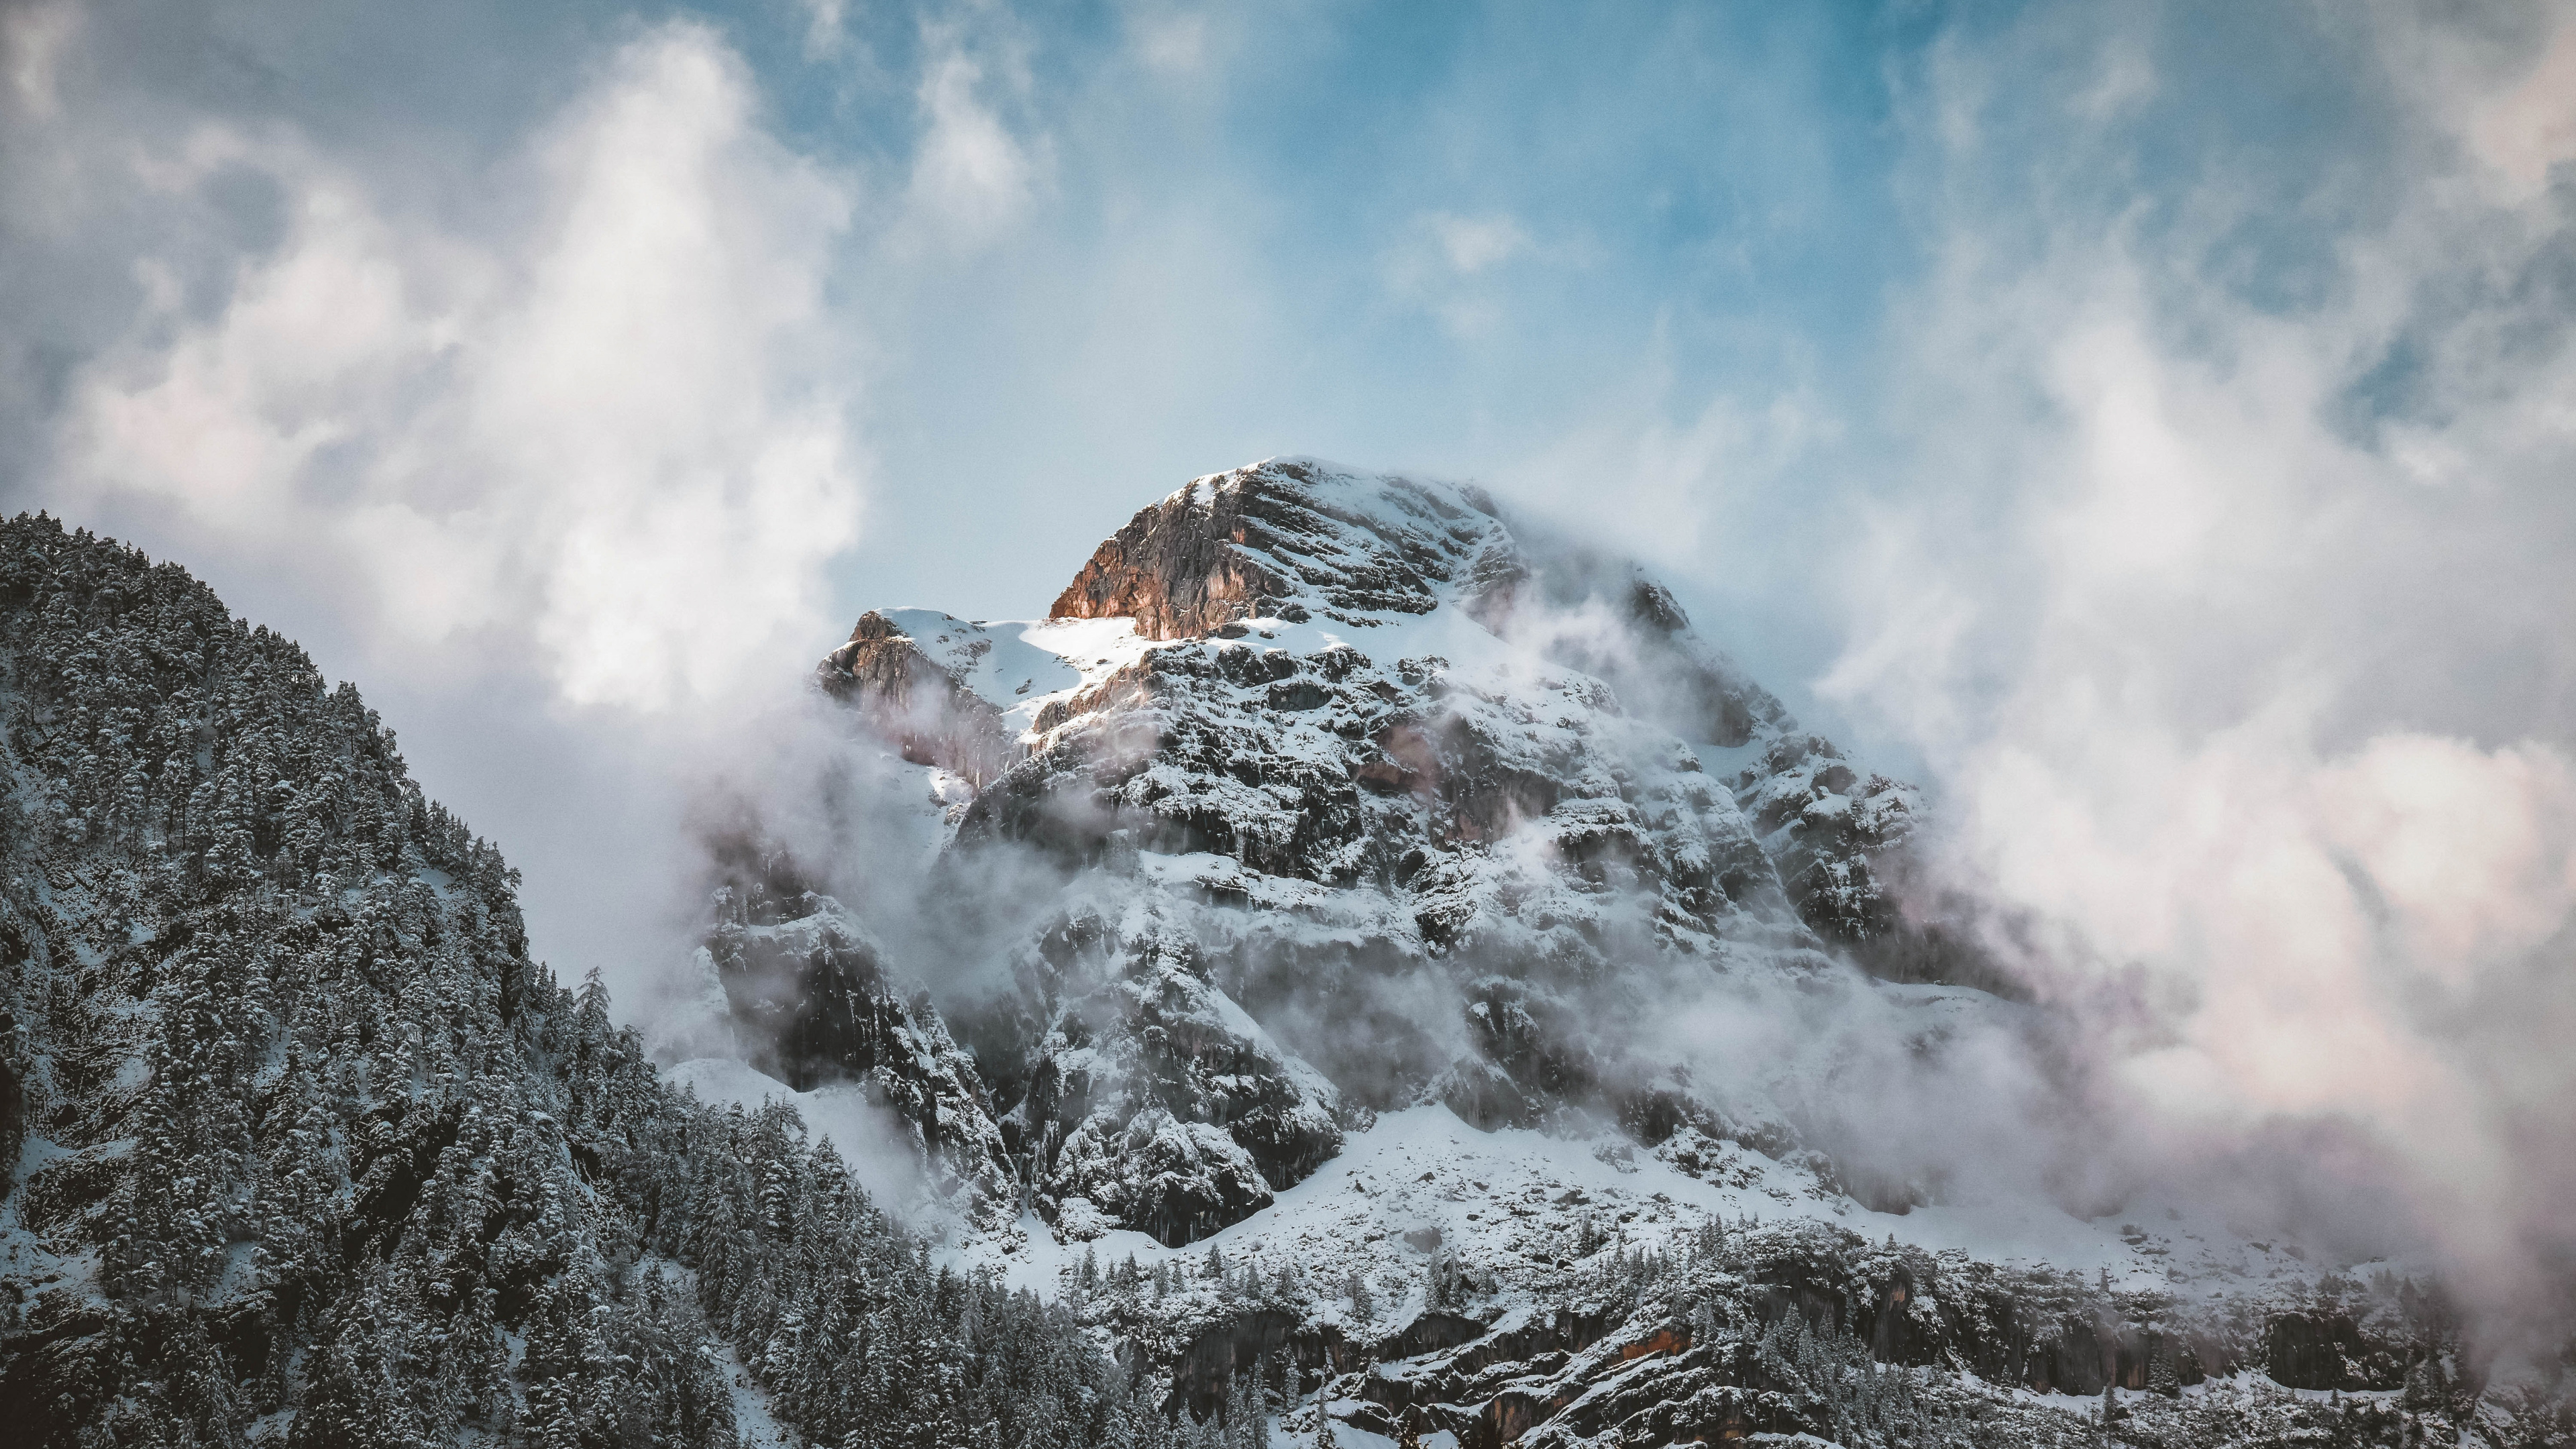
[{"x": 303, "y": 1147}]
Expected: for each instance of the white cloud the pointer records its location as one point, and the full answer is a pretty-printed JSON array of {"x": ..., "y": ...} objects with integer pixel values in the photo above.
[
  {"x": 2530, "y": 130},
  {"x": 2249, "y": 699},
  {"x": 612, "y": 432},
  {"x": 33, "y": 40},
  {"x": 1675, "y": 492},
  {"x": 2505, "y": 91},
  {"x": 973, "y": 177},
  {"x": 1447, "y": 264},
  {"x": 1473, "y": 243}
]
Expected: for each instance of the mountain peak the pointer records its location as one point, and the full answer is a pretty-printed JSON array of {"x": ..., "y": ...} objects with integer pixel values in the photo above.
[
  {"x": 1287, "y": 538},
  {"x": 1350, "y": 733}
]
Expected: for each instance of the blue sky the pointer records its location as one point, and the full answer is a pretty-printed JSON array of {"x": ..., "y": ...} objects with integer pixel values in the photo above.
[{"x": 2146, "y": 425}]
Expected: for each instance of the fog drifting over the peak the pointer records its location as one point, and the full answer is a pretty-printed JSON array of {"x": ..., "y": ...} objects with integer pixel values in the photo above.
[{"x": 2153, "y": 425}]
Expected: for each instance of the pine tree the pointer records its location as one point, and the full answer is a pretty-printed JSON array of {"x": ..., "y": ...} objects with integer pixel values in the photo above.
[{"x": 2162, "y": 1376}]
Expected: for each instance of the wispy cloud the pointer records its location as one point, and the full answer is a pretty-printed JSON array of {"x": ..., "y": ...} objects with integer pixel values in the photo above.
[
  {"x": 973, "y": 175},
  {"x": 33, "y": 39},
  {"x": 1449, "y": 264}
]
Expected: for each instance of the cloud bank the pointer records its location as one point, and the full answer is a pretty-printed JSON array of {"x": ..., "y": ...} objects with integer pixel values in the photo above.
[{"x": 2234, "y": 630}]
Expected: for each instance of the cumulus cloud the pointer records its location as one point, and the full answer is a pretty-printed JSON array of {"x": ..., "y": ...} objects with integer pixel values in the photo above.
[
  {"x": 531, "y": 409},
  {"x": 1446, "y": 264},
  {"x": 602, "y": 428},
  {"x": 2235, "y": 640},
  {"x": 973, "y": 176},
  {"x": 33, "y": 39}
]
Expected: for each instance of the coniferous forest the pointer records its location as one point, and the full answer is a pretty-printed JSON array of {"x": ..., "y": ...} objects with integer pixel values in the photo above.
[{"x": 306, "y": 1142}]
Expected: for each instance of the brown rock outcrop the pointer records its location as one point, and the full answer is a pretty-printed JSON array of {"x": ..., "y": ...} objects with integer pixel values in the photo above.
[
  {"x": 1275, "y": 537},
  {"x": 907, "y": 697},
  {"x": 1177, "y": 568}
]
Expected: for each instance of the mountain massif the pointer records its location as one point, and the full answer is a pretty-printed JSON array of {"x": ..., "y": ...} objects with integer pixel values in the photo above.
[
  {"x": 1360, "y": 801},
  {"x": 1364, "y": 967},
  {"x": 1423, "y": 946}
]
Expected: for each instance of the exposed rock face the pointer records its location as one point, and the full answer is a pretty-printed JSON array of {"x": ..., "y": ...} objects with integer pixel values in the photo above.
[
  {"x": 1799, "y": 1329},
  {"x": 1372, "y": 813},
  {"x": 910, "y": 699},
  {"x": 1824, "y": 825},
  {"x": 1146, "y": 1094},
  {"x": 2328, "y": 1350},
  {"x": 1528, "y": 1290},
  {"x": 1286, "y": 533},
  {"x": 1609, "y": 620},
  {"x": 821, "y": 1006}
]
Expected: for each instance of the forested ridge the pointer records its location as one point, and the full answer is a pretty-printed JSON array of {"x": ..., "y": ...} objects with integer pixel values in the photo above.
[{"x": 304, "y": 1148}]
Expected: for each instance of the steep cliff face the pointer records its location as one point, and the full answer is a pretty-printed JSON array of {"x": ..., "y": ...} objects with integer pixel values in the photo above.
[
  {"x": 820, "y": 1005},
  {"x": 1825, "y": 825},
  {"x": 911, "y": 699},
  {"x": 1291, "y": 537},
  {"x": 1302, "y": 541}
]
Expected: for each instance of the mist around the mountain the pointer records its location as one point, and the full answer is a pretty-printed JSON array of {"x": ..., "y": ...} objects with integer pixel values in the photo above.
[
  {"x": 1990, "y": 1102},
  {"x": 2236, "y": 644}
]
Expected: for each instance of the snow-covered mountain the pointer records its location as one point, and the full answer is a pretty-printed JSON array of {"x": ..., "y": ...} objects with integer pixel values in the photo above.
[
  {"x": 1425, "y": 946},
  {"x": 1365, "y": 797}
]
